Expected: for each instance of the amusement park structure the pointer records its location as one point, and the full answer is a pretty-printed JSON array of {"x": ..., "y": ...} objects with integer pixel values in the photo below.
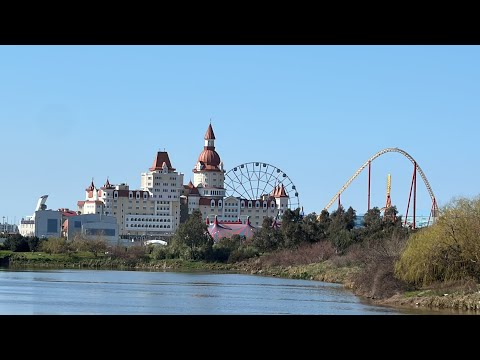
[{"x": 413, "y": 186}]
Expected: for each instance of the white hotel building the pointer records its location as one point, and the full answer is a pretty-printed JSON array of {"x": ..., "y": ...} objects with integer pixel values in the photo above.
[
  {"x": 207, "y": 192},
  {"x": 154, "y": 209}
]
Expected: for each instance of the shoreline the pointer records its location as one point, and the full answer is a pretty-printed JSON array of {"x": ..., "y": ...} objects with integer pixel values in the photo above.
[{"x": 323, "y": 271}]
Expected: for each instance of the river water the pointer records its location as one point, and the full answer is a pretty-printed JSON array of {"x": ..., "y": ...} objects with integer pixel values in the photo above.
[{"x": 140, "y": 292}]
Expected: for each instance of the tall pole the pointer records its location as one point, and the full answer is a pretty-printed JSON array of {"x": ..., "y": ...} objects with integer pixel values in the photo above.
[
  {"x": 414, "y": 191},
  {"x": 369, "y": 174},
  {"x": 339, "y": 201},
  {"x": 410, "y": 194}
]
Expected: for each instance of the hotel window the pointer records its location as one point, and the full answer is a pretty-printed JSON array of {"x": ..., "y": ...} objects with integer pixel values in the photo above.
[{"x": 249, "y": 204}]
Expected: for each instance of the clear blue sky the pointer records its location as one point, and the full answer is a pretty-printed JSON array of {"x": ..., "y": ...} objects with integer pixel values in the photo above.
[{"x": 70, "y": 113}]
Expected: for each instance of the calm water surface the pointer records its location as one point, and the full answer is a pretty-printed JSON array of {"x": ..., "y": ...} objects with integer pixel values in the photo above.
[{"x": 139, "y": 292}]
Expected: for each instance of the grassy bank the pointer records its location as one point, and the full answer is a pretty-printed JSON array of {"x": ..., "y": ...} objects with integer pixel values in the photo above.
[{"x": 283, "y": 264}]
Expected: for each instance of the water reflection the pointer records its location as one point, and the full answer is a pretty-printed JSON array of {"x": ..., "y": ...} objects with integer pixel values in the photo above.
[{"x": 138, "y": 292}]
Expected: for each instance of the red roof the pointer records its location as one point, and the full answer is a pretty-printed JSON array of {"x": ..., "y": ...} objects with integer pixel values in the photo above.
[
  {"x": 91, "y": 187},
  {"x": 107, "y": 185},
  {"x": 279, "y": 191},
  {"x": 124, "y": 193},
  {"x": 67, "y": 212},
  {"x": 218, "y": 230},
  {"x": 192, "y": 188},
  {"x": 162, "y": 157},
  {"x": 206, "y": 201},
  {"x": 209, "y": 157},
  {"x": 209, "y": 135}
]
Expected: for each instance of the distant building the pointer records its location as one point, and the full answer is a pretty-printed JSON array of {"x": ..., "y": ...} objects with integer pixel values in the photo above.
[
  {"x": 48, "y": 223},
  {"x": 207, "y": 192},
  {"x": 7, "y": 228},
  {"x": 43, "y": 223},
  {"x": 153, "y": 210},
  {"x": 92, "y": 226}
]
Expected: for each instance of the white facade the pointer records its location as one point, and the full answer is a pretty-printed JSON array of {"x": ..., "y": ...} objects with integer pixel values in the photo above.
[
  {"x": 152, "y": 210},
  {"x": 207, "y": 193}
]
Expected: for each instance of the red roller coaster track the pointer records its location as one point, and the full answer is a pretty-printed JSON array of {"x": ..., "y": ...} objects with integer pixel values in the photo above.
[{"x": 416, "y": 168}]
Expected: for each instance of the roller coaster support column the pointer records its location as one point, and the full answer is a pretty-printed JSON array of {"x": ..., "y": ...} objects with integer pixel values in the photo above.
[
  {"x": 410, "y": 194},
  {"x": 369, "y": 173},
  {"x": 414, "y": 191}
]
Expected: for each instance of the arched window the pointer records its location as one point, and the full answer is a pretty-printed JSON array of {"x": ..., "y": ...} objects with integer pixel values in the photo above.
[
  {"x": 264, "y": 204},
  {"x": 212, "y": 203},
  {"x": 219, "y": 203},
  {"x": 257, "y": 204},
  {"x": 115, "y": 194},
  {"x": 249, "y": 204},
  {"x": 242, "y": 204}
]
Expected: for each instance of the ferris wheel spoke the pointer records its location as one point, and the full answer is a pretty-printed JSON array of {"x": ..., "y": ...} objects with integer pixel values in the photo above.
[
  {"x": 250, "y": 182},
  {"x": 255, "y": 179},
  {"x": 241, "y": 183}
]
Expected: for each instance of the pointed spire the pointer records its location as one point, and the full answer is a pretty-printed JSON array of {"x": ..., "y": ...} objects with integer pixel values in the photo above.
[
  {"x": 209, "y": 135},
  {"x": 91, "y": 187},
  {"x": 215, "y": 222},
  {"x": 207, "y": 221}
]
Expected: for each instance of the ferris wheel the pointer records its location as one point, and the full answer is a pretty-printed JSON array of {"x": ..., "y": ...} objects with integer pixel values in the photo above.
[{"x": 252, "y": 180}]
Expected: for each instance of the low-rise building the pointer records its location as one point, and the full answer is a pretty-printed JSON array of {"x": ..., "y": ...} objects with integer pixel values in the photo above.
[{"x": 92, "y": 226}]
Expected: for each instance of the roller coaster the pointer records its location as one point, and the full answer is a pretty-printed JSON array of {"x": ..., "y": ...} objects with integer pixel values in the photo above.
[{"x": 413, "y": 186}]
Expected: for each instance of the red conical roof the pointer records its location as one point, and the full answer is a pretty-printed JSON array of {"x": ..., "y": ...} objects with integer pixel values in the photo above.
[
  {"x": 282, "y": 192},
  {"x": 162, "y": 157},
  {"x": 209, "y": 135},
  {"x": 107, "y": 185},
  {"x": 91, "y": 187}
]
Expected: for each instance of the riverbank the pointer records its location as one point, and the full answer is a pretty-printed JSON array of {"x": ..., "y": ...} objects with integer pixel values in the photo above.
[{"x": 326, "y": 271}]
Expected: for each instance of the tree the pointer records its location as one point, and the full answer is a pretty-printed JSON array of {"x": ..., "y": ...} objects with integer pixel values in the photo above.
[
  {"x": 16, "y": 243},
  {"x": 324, "y": 222},
  {"x": 311, "y": 228},
  {"x": 192, "y": 238},
  {"x": 95, "y": 246},
  {"x": 267, "y": 238},
  {"x": 33, "y": 243},
  {"x": 225, "y": 246},
  {"x": 291, "y": 228},
  {"x": 54, "y": 246},
  {"x": 183, "y": 211},
  {"x": 447, "y": 250}
]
